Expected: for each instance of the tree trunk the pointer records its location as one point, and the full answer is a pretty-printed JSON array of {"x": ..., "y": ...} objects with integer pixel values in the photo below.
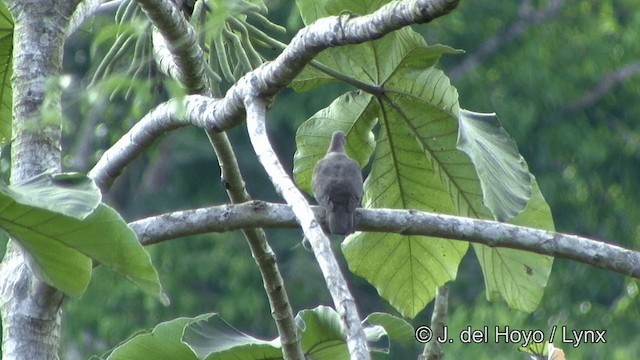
[{"x": 30, "y": 309}]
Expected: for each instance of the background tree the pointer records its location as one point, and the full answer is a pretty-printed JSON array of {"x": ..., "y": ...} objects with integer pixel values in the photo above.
[{"x": 177, "y": 189}]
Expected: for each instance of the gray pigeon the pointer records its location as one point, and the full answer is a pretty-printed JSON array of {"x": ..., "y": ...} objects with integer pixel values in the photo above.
[{"x": 337, "y": 184}]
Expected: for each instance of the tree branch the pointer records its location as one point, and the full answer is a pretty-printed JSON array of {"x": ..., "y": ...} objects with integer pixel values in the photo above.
[
  {"x": 265, "y": 81},
  {"x": 408, "y": 222},
  {"x": 183, "y": 60},
  {"x": 526, "y": 19},
  {"x": 86, "y": 9},
  {"x": 608, "y": 81},
  {"x": 320, "y": 243},
  {"x": 30, "y": 308},
  {"x": 433, "y": 348}
]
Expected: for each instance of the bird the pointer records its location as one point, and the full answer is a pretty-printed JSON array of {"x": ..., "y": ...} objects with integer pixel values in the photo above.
[{"x": 337, "y": 186}]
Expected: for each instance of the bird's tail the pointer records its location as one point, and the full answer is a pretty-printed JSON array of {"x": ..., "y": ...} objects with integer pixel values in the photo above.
[{"x": 341, "y": 221}]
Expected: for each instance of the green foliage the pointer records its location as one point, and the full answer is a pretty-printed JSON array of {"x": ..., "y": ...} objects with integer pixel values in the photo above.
[
  {"x": 585, "y": 161},
  {"x": 161, "y": 343},
  {"x": 59, "y": 220},
  {"x": 430, "y": 156},
  {"x": 519, "y": 277},
  {"x": 504, "y": 177},
  {"x": 209, "y": 337},
  {"x": 71, "y": 194},
  {"x": 6, "y": 57}
]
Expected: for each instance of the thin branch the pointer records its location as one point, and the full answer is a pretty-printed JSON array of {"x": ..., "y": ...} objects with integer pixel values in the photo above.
[
  {"x": 433, "y": 348},
  {"x": 610, "y": 80},
  {"x": 342, "y": 299},
  {"x": 186, "y": 64},
  {"x": 408, "y": 222},
  {"x": 85, "y": 10},
  {"x": 526, "y": 19}
]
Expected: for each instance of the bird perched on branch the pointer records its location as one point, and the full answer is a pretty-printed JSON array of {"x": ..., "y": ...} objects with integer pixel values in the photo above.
[{"x": 337, "y": 185}]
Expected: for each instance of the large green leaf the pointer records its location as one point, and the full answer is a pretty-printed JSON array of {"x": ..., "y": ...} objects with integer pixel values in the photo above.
[
  {"x": 322, "y": 337},
  {"x": 396, "y": 328},
  {"x": 405, "y": 269},
  {"x": 61, "y": 246},
  {"x": 213, "y": 338},
  {"x": 161, "y": 343},
  {"x": 519, "y": 277},
  {"x": 356, "y": 60},
  {"x": 71, "y": 194},
  {"x": 6, "y": 57},
  {"x": 503, "y": 173},
  {"x": 418, "y": 164}
]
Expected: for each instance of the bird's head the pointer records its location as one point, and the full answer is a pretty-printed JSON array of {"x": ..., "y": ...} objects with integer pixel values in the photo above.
[{"x": 337, "y": 142}]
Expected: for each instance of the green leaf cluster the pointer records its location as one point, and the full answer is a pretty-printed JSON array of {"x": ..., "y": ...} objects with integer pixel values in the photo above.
[
  {"x": 424, "y": 153},
  {"x": 209, "y": 337},
  {"x": 63, "y": 226}
]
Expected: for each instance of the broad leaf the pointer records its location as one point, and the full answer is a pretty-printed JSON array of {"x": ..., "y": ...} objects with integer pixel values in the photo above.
[
  {"x": 519, "y": 277},
  {"x": 58, "y": 265},
  {"x": 503, "y": 173},
  {"x": 161, "y": 343},
  {"x": 418, "y": 164},
  {"x": 212, "y": 338},
  {"x": 71, "y": 194},
  {"x": 396, "y": 328},
  {"x": 61, "y": 246},
  {"x": 356, "y": 60},
  {"x": 6, "y": 57},
  {"x": 412, "y": 170},
  {"x": 323, "y": 335}
]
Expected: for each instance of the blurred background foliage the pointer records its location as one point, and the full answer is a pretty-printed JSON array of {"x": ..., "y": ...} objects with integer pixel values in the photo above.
[{"x": 553, "y": 71}]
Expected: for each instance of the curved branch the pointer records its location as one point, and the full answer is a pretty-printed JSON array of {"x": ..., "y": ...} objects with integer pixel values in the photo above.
[
  {"x": 408, "y": 222},
  {"x": 89, "y": 8},
  {"x": 610, "y": 80},
  {"x": 526, "y": 19},
  {"x": 265, "y": 81}
]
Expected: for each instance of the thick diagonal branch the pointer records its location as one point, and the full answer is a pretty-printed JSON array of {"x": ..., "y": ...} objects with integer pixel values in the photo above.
[
  {"x": 265, "y": 81},
  {"x": 320, "y": 243},
  {"x": 185, "y": 63}
]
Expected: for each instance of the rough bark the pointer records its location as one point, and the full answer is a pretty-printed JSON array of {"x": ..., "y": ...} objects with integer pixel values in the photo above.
[{"x": 29, "y": 308}]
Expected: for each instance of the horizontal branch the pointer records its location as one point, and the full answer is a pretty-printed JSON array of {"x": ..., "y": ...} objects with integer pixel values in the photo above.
[{"x": 408, "y": 222}]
